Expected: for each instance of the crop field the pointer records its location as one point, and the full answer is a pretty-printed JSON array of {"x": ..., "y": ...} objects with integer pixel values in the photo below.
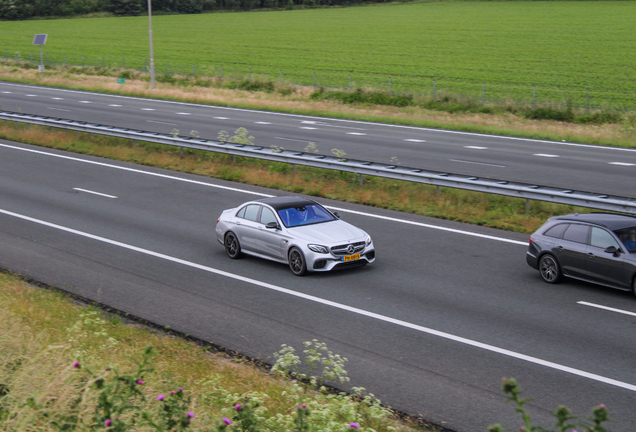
[{"x": 576, "y": 52}]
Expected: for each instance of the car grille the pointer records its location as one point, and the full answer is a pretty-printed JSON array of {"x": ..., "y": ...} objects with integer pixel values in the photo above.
[{"x": 342, "y": 250}]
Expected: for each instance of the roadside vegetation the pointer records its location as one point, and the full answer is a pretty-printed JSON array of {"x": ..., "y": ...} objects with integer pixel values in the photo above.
[
  {"x": 65, "y": 367},
  {"x": 453, "y": 204}
]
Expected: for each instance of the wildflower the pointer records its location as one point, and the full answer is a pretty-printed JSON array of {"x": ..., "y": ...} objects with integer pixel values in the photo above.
[
  {"x": 190, "y": 414},
  {"x": 227, "y": 421},
  {"x": 108, "y": 422},
  {"x": 172, "y": 392},
  {"x": 237, "y": 407},
  {"x": 180, "y": 389},
  {"x": 140, "y": 382},
  {"x": 76, "y": 365},
  {"x": 354, "y": 425},
  {"x": 160, "y": 397}
]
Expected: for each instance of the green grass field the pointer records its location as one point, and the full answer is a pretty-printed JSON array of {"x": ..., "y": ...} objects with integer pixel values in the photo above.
[{"x": 563, "y": 48}]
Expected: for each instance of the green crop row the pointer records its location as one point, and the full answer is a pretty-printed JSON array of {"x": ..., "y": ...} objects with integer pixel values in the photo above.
[{"x": 551, "y": 51}]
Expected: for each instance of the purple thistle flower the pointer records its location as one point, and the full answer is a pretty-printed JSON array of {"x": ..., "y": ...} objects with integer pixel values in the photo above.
[
  {"x": 180, "y": 389},
  {"x": 160, "y": 397},
  {"x": 190, "y": 414},
  {"x": 227, "y": 421},
  {"x": 237, "y": 407},
  {"x": 76, "y": 365},
  {"x": 172, "y": 392},
  {"x": 354, "y": 425},
  {"x": 140, "y": 382},
  {"x": 108, "y": 422}
]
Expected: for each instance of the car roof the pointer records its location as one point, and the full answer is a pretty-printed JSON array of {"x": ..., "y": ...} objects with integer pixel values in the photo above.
[
  {"x": 613, "y": 221},
  {"x": 283, "y": 202}
]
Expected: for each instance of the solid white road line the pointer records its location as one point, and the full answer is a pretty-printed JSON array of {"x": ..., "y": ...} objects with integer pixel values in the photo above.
[
  {"x": 336, "y": 305},
  {"x": 138, "y": 171}
]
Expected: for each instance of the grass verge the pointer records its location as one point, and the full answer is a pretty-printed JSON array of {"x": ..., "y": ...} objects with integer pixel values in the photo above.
[
  {"x": 490, "y": 210},
  {"x": 42, "y": 334}
]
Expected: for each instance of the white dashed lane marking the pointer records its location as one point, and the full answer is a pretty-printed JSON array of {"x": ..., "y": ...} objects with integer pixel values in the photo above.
[
  {"x": 621, "y": 163},
  {"x": 546, "y": 155},
  {"x": 476, "y": 147}
]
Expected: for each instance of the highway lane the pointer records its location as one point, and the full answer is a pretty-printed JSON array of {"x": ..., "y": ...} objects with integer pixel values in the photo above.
[
  {"x": 559, "y": 164},
  {"x": 430, "y": 328}
]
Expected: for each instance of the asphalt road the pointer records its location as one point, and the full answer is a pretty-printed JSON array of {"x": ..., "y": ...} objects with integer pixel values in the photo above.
[
  {"x": 582, "y": 167},
  {"x": 430, "y": 328}
]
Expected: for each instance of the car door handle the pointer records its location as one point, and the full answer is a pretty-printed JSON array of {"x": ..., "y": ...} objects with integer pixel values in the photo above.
[
  {"x": 591, "y": 255},
  {"x": 238, "y": 222},
  {"x": 560, "y": 248}
]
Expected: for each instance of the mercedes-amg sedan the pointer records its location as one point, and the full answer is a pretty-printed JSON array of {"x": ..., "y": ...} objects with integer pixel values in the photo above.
[{"x": 295, "y": 231}]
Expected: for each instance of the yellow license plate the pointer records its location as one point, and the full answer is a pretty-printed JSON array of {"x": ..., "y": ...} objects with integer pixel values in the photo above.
[{"x": 351, "y": 257}]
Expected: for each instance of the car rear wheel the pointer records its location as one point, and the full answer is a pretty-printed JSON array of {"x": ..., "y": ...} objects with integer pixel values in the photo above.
[
  {"x": 549, "y": 269},
  {"x": 297, "y": 262},
  {"x": 232, "y": 245}
]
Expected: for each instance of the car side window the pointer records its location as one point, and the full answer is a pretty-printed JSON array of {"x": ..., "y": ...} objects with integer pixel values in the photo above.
[
  {"x": 241, "y": 213},
  {"x": 577, "y": 233},
  {"x": 267, "y": 216},
  {"x": 251, "y": 212},
  {"x": 557, "y": 231},
  {"x": 602, "y": 239}
]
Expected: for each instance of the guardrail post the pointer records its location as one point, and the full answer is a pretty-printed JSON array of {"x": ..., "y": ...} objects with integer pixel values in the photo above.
[
  {"x": 438, "y": 190},
  {"x": 361, "y": 179},
  {"x": 534, "y": 97},
  {"x": 527, "y": 205}
]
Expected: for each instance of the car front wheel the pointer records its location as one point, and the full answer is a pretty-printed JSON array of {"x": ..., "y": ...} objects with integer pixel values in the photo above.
[
  {"x": 297, "y": 262},
  {"x": 549, "y": 269},
  {"x": 232, "y": 245}
]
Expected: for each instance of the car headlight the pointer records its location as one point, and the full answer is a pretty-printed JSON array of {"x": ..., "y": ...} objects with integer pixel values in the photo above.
[
  {"x": 368, "y": 241},
  {"x": 318, "y": 248}
]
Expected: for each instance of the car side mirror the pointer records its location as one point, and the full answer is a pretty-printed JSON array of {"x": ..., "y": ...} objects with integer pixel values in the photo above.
[
  {"x": 336, "y": 214},
  {"x": 272, "y": 225},
  {"x": 613, "y": 250}
]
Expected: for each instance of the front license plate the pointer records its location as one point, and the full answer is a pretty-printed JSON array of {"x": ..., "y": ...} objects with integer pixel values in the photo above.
[{"x": 351, "y": 257}]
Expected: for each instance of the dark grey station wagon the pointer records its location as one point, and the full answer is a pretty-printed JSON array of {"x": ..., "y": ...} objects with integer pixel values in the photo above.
[{"x": 593, "y": 247}]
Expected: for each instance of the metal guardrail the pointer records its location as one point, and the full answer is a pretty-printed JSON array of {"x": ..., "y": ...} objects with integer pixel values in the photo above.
[{"x": 397, "y": 172}]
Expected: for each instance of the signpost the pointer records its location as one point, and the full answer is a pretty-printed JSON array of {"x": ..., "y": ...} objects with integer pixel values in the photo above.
[{"x": 40, "y": 39}]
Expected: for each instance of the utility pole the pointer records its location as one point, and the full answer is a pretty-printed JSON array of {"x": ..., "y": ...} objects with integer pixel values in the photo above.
[{"x": 152, "y": 59}]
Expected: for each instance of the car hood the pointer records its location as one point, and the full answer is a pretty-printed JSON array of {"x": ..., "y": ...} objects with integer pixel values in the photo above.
[{"x": 329, "y": 233}]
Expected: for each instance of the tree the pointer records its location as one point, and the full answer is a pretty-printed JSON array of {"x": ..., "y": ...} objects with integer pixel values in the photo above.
[
  {"x": 15, "y": 9},
  {"x": 126, "y": 7}
]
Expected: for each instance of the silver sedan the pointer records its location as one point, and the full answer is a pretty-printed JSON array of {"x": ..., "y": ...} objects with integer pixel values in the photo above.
[{"x": 295, "y": 231}]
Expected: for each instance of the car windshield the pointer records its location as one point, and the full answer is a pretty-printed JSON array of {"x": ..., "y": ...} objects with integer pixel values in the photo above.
[
  {"x": 306, "y": 215},
  {"x": 628, "y": 238}
]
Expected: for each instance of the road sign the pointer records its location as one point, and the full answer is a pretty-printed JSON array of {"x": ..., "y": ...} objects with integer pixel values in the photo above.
[{"x": 39, "y": 39}]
